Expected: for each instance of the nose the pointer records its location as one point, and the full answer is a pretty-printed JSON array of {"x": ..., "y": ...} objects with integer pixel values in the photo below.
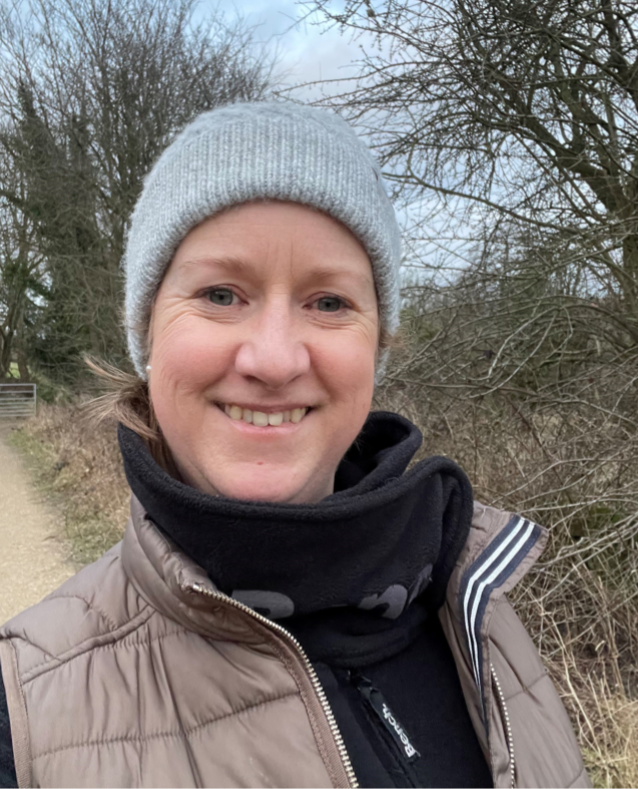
[{"x": 273, "y": 352}]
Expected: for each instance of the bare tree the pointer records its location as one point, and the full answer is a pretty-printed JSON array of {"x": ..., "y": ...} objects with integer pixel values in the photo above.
[
  {"x": 21, "y": 274},
  {"x": 90, "y": 93},
  {"x": 526, "y": 111}
]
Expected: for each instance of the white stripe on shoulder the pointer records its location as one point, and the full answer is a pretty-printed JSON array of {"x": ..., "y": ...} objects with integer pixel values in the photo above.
[
  {"x": 518, "y": 544},
  {"x": 515, "y": 530}
]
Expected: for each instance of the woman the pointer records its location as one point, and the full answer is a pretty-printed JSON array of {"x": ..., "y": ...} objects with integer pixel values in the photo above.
[{"x": 289, "y": 606}]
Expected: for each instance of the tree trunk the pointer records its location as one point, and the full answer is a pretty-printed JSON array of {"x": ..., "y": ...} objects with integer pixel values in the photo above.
[
  {"x": 5, "y": 353},
  {"x": 21, "y": 355}
]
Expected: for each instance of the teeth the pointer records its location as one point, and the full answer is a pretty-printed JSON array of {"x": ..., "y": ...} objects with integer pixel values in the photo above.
[{"x": 261, "y": 419}]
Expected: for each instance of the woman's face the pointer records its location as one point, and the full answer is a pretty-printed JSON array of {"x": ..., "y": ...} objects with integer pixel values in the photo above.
[{"x": 264, "y": 336}]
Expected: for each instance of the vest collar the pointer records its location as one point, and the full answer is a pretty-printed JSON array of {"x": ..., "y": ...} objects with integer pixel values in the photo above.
[
  {"x": 500, "y": 550},
  {"x": 172, "y": 583}
]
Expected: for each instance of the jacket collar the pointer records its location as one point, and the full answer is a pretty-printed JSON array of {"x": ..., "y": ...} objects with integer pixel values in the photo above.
[
  {"x": 500, "y": 549},
  {"x": 176, "y": 586}
]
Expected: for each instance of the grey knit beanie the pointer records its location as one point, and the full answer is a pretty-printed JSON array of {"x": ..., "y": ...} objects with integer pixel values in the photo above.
[{"x": 243, "y": 152}]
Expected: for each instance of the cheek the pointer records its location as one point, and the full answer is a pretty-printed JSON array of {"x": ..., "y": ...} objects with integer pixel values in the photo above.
[
  {"x": 347, "y": 368},
  {"x": 187, "y": 357}
]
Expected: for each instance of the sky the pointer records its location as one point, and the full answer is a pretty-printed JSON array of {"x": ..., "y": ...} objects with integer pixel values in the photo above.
[{"x": 307, "y": 51}]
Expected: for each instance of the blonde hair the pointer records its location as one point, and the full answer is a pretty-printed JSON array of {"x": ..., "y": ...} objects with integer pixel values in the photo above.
[{"x": 127, "y": 400}]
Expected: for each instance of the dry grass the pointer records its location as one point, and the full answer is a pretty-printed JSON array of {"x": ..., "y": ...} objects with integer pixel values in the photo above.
[
  {"x": 586, "y": 634},
  {"x": 79, "y": 466}
]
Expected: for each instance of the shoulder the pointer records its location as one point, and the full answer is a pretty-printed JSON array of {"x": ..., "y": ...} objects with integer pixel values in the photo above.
[
  {"x": 501, "y": 671},
  {"x": 500, "y": 549},
  {"x": 490, "y": 524},
  {"x": 97, "y": 604}
]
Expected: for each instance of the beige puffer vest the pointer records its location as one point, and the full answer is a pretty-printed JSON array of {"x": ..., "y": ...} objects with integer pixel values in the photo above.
[{"x": 138, "y": 672}]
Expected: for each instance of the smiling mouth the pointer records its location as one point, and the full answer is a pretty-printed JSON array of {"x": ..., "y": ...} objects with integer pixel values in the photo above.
[{"x": 261, "y": 418}]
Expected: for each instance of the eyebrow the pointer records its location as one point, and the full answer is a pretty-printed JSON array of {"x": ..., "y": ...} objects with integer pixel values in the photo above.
[
  {"x": 228, "y": 262},
  {"x": 328, "y": 273}
]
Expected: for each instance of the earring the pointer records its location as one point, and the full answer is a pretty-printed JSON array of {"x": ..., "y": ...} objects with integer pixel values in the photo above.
[{"x": 148, "y": 367}]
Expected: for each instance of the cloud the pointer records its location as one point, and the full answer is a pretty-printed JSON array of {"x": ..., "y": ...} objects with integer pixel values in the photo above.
[{"x": 308, "y": 50}]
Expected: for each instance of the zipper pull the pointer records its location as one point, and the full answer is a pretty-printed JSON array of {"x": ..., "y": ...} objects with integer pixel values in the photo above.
[{"x": 376, "y": 702}]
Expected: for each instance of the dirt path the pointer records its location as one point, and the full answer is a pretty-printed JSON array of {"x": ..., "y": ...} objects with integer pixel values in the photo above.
[{"x": 32, "y": 561}]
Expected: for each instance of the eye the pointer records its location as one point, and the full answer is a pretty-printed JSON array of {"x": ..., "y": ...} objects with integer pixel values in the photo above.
[
  {"x": 221, "y": 297},
  {"x": 330, "y": 304}
]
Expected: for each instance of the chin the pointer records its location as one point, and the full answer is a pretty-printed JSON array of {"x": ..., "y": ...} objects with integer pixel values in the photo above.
[{"x": 275, "y": 488}]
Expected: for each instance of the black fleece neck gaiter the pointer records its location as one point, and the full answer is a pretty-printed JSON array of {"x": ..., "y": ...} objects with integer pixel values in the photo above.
[{"x": 383, "y": 537}]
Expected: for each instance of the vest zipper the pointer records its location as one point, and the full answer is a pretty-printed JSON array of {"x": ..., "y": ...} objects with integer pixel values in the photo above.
[
  {"x": 321, "y": 694},
  {"x": 508, "y": 727}
]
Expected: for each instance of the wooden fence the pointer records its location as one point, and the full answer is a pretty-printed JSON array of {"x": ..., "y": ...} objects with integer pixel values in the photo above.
[{"x": 17, "y": 400}]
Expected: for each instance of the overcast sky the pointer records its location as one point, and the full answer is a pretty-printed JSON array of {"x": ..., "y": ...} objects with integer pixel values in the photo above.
[{"x": 307, "y": 51}]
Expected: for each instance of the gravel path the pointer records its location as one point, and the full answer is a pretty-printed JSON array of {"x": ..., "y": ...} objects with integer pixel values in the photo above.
[{"x": 32, "y": 561}]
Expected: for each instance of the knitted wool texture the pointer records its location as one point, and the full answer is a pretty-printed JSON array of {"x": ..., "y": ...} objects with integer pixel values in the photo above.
[{"x": 248, "y": 151}]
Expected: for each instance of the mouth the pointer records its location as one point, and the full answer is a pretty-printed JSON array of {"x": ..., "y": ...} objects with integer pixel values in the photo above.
[{"x": 267, "y": 418}]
